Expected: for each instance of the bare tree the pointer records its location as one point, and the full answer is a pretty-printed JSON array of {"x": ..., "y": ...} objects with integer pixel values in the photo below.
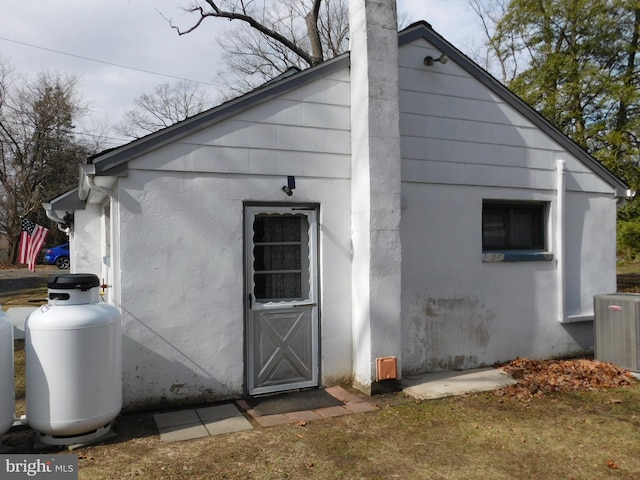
[
  {"x": 39, "y": 155},
  {"x": 168, "y": 104},
  {"x": 270, "y": 39},
  {"x": 500, "y": 59}
]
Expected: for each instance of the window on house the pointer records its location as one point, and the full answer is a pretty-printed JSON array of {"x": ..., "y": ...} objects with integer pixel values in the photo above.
[{"x": 513, "y": 226}]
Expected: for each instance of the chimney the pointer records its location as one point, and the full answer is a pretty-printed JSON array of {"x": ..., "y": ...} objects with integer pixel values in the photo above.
[{"x": 375, "y": 187}]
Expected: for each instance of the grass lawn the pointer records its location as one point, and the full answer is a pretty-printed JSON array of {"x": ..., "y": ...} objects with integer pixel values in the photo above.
[
  {"x": 628, "y": 267},
  {"x": 591, "y": 435}
]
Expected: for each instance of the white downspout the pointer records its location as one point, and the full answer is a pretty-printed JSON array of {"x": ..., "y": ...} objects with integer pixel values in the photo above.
[
  {"x": 560, "y": 233},
  {"x": 90, "y": 173},
  {"x": 561, "y": 273}
]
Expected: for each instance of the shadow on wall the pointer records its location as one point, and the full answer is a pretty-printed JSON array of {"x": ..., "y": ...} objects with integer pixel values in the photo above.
[
  {"x": 153, "y": 380},
  {"x": 583, "y": 336}
]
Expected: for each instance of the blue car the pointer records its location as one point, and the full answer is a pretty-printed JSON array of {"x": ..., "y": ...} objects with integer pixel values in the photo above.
[{"x": 58, "y": 255}]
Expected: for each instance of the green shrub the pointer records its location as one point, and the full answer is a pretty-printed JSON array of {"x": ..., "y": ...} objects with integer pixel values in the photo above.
[{"x": 628, "y": 239}]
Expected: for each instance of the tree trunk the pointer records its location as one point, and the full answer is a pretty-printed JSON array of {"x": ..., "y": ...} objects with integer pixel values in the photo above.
[{"x": 314, "y": 37}]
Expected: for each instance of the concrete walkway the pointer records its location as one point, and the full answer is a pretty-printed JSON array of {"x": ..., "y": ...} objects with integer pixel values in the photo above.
[
  {"x": 447, "y": 384},
  {"x": 235, "y": 417},
  {"x": 238, "y": 416},
  {"x": 200, "y": 422}
]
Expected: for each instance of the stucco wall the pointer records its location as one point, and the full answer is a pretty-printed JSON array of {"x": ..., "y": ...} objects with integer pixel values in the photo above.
[
  {"x": 182, "y": 288},
  {"x": 181, "y": 241},
  {"x": 85, "y": 241},
  {"x": 461, "y": 145},
  {"x": 461, "y": 312}
]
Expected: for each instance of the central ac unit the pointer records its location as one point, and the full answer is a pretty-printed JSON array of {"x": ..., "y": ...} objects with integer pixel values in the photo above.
[{"x": 617, "y": 329}]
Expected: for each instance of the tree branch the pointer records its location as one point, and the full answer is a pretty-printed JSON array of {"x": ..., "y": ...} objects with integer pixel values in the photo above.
[{"x": 217, "y": 12}]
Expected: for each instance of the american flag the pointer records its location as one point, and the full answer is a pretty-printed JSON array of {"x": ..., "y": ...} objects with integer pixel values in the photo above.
[{"x": 32, "y": 237}]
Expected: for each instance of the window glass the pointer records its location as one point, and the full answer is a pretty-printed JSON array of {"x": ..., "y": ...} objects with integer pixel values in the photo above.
[
  {"x": 512, "y": 226},
  {"x": 281, "y": 257}
]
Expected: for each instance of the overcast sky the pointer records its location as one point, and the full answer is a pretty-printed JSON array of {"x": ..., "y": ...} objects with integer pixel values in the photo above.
[{"x": 96, "y": 39}]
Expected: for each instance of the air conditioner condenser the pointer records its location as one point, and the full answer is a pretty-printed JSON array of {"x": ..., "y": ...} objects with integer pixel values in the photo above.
[{"x": 617, "y": 329}]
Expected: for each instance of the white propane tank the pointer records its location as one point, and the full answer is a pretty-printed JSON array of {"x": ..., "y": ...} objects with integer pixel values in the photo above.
[
  {"x": 7, "y": 396},
  {"x": 74, "y": 362}
]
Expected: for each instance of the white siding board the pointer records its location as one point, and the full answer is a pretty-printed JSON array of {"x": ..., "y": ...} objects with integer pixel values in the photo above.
[
  {"x": 325, "y": 116},
  {"x": 411, "y": 124},
  {"x": 443, "y": 105},
  {"x": 449, "y": 117},
  {"x": 415, "y": 102},
  {"x": 276, "y": 162},
  {"x": 190, "y": 157},
  {"x": 438, "y": 80},
  {"x": 463, "y": 108},
  {"x": 312, "y": 139},
  {"x": 251, "y": 135},
  {"x": 278, "y": 111},
  {"x": 476, "y": 174},
  {"x": 324, "y": 91},
  {"x": 586, "y": 182},
  {"x": 534, "y": 138},
  {"x": 452, "y": 173},
  {"x": 326, "y": 165},
  {"x": 454, "y": 126},
  {"x": 291, "y": 134},
  {"x": 294, "y": 112},
  {"x": 443, "y": 128},
  {"x": 211, "y": 159},
  {"x": 457, "y": 150}
]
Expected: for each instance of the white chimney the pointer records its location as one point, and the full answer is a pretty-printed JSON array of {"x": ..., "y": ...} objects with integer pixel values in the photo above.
[{"x": 375, "y": 186}]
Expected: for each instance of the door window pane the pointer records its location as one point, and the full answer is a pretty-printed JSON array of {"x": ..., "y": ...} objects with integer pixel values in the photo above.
[{"x": 281, "y": 257}]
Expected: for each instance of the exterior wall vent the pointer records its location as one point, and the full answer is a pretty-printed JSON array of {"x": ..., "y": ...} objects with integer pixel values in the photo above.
[{"x": 617, "y": 329}]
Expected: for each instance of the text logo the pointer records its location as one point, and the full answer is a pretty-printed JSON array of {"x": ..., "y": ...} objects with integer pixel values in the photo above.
[{"x": 50, "y": 467}]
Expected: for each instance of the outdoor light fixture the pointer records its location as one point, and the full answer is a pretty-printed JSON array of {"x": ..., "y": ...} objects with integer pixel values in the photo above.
[
  {"x": 290, "y": 186},
  {"x": 429, "y": 61},
  {"x": 68, "y": 219}
]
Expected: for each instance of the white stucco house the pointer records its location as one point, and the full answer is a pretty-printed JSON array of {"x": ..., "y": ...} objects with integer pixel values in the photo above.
[{"x": 387, "y": 212}]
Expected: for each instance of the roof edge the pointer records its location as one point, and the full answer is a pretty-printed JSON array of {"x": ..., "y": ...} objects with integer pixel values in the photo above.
[{"x": 68, "y": 201}]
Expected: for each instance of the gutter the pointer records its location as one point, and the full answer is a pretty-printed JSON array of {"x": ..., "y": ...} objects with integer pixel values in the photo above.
[
  {"x": 51, "y": 215},
  {"x": 89, "y": 173}
]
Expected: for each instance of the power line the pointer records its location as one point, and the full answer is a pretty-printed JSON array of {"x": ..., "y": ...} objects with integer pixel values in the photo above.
[{"x": 105, "y": 62}]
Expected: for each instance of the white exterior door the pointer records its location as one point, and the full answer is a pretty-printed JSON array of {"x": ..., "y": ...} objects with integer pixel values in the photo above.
[{"x": 282, "y": 298}]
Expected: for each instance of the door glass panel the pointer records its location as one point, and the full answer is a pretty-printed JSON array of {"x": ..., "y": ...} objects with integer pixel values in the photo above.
[{"x": 281, "y": 257}]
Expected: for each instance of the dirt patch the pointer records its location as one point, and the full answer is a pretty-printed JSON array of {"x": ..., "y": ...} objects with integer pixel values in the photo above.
[
  {"x": 537, "y": 377},
  {"x": 31, "y": 297}
]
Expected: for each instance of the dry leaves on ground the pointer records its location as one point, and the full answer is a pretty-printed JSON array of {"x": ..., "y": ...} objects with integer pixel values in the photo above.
[{"x": 537, "y": 377}]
